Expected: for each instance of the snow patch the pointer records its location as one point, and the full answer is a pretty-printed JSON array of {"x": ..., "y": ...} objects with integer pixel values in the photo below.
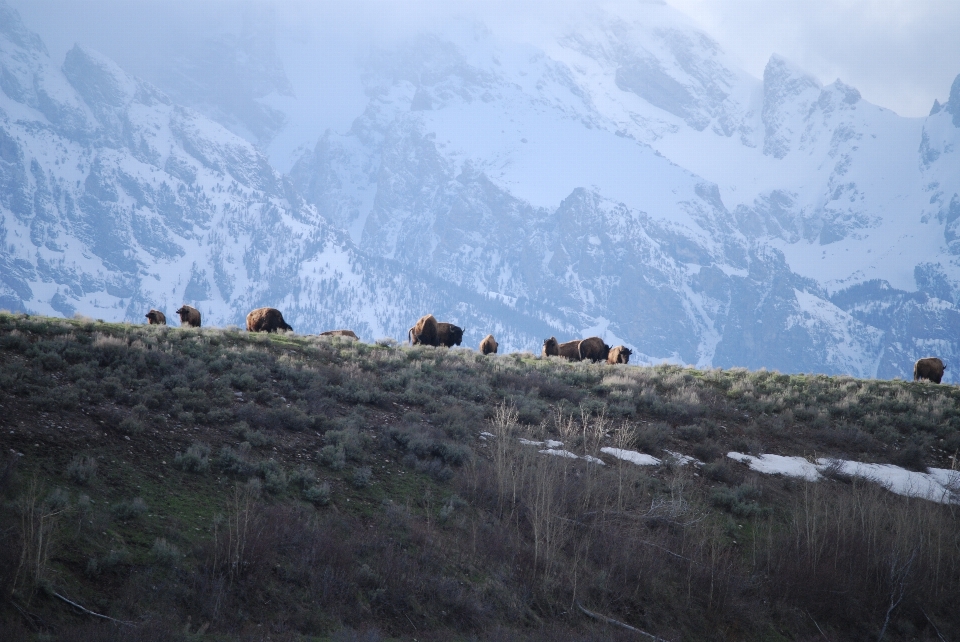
[{"x": 634, "y": 457}]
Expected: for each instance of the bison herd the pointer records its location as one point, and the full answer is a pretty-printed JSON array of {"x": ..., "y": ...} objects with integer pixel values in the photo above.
[{"x": 430, "y": 332}]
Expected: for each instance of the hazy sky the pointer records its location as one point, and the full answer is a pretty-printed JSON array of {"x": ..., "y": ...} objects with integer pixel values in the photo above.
[{"x": 900, "y": 54}]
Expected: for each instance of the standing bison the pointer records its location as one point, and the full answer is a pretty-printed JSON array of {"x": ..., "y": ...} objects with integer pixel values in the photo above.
[
  {"x": 930, "y": 368},
  {"x": 449, "y": 335},
  {"x": 425, "y": 332},
  {"x": 156, "y": 317},
  {"x": 266, "y": 320},
  {"x": 593, "y": 349},
  {"x": 340, "y": 333},
  {"x": 569, "y": 350},
  {"x": 489, "y": 345},
  {"x": 189, "y": 316},
  {"x": 620, "y": 354}
]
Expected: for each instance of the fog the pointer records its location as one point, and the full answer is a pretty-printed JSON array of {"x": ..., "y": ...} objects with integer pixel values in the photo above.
[{"x": 303, "y": 58}]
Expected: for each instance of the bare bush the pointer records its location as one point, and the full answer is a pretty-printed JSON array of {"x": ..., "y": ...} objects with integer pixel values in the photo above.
[{"x": 82, "y": 469}]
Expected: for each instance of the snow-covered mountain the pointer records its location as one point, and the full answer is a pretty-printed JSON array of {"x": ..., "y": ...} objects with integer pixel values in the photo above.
[{"x": 613, "y": 174}]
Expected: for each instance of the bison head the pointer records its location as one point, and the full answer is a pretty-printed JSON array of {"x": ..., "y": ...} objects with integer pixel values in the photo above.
[{"x": 551, "y": 348}]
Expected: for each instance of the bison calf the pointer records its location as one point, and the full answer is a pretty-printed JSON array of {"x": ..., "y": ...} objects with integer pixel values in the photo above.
[
  {"x": 189, "y": 316},
  {"x": 266, "y": 320},
  {"x": 930, "y": 368},
  {"x": 489, "y": 345},
  {"x": 620, "y": 354},
  {"x": 156, "y": 317}
]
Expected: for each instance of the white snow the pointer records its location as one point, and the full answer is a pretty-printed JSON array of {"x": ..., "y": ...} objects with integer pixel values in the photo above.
[
  {"x": 684, "y": 460},
  {"x": 779, "y": 465},
  {"x": 937, "y": 485},
  {"x": 559, "y": 453},
  {"x": 634, "y": 457}
]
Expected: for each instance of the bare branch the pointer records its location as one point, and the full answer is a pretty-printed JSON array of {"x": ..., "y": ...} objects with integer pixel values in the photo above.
[
  {"x": 89, "y": 612},
  {"x": 610, "y": 620}
]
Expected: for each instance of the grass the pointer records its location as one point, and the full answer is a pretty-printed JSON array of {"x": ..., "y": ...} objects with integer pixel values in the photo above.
[{"x": 292, "y": 487}]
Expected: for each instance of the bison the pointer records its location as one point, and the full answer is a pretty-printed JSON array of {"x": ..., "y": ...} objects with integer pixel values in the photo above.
[
  {"x": 449, "y": 335},
  {"x": 593, "y": 349},
  {"x": 189, "y": 316},
  {"x": 425, "y": 332},
  {"x": 340, "y": 333},
  {"x": 569, "y": 350},
  {"x": 489, "y": 345},
  {"x": 620, "y": 354},
  {"x": 156, "y": 317},
  {"x": 930, "y": 368},
  {"x": 266, "y": 320}
]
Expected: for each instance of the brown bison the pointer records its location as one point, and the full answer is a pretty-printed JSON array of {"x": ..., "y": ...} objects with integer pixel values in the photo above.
[
  {"x": 340, "y": 333},
  {"x": 425, "y": 332},
  {"x": 156, "y": 317},
  {"x": 930, "y": 368},
  {"x": 449, "y": 335},
  {"x": 489, "y": 345},
  {"x": 593, "y": 349},
  {"x": 189, "y": 316},
  {"x": 266, "y": 320},
  {"x": 620, "y": 354},
  {"x": 569, "y": 350}
]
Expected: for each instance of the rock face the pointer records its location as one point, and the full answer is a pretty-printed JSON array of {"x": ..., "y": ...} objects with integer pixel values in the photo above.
[{"x": 620, "y": 178}]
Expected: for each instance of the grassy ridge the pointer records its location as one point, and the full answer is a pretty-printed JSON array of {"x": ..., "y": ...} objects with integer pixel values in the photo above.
[{"x": 252, "y": 485}]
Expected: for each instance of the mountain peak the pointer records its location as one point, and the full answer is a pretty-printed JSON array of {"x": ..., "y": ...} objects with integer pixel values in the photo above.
[
  {"x": 783, "y": 85},
  {"x": 13, "y": 29},
  {"x": 953, "y": 105},
  {"x": 98, "y": 79}
]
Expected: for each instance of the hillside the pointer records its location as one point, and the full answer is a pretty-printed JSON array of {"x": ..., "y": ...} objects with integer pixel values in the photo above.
[{"x": 211, "y": 484}]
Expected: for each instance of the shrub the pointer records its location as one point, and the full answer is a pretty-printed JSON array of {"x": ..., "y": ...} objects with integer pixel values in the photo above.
[
  {"x": 740, "y": 501},
  {"x": 82, "y": 469},
  {"x": 109, "y": 562},
  {"x": 131, "y": 426},
  {"x": 274, "y": 477},
  {"x": 303, "y": 477},
  {"x": 234, "y": 463},
  {"x": 433, "y": 467},
  {"x": 650, "y": 438},
  {"x": 719, "y": 471},
  {"x": 164, "y": 552},
  {"x": 694, "y": 434},
  {"x": 333, "y": 457},
  {"x": 352, "y": 442},
  {"x": 57, "y": 500},
  {"x": 128, "y": 510},
  {"x": 707, "y": 451},
  {"x": 195, "y": 460},
  {"x": 318, "y": 494},
  {"x": 362, "y": 476},
  {"x": 911, "y": 457}
]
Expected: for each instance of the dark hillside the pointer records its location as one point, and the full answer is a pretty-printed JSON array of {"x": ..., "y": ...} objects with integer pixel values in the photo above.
[{"x": 207, "y": 484}]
